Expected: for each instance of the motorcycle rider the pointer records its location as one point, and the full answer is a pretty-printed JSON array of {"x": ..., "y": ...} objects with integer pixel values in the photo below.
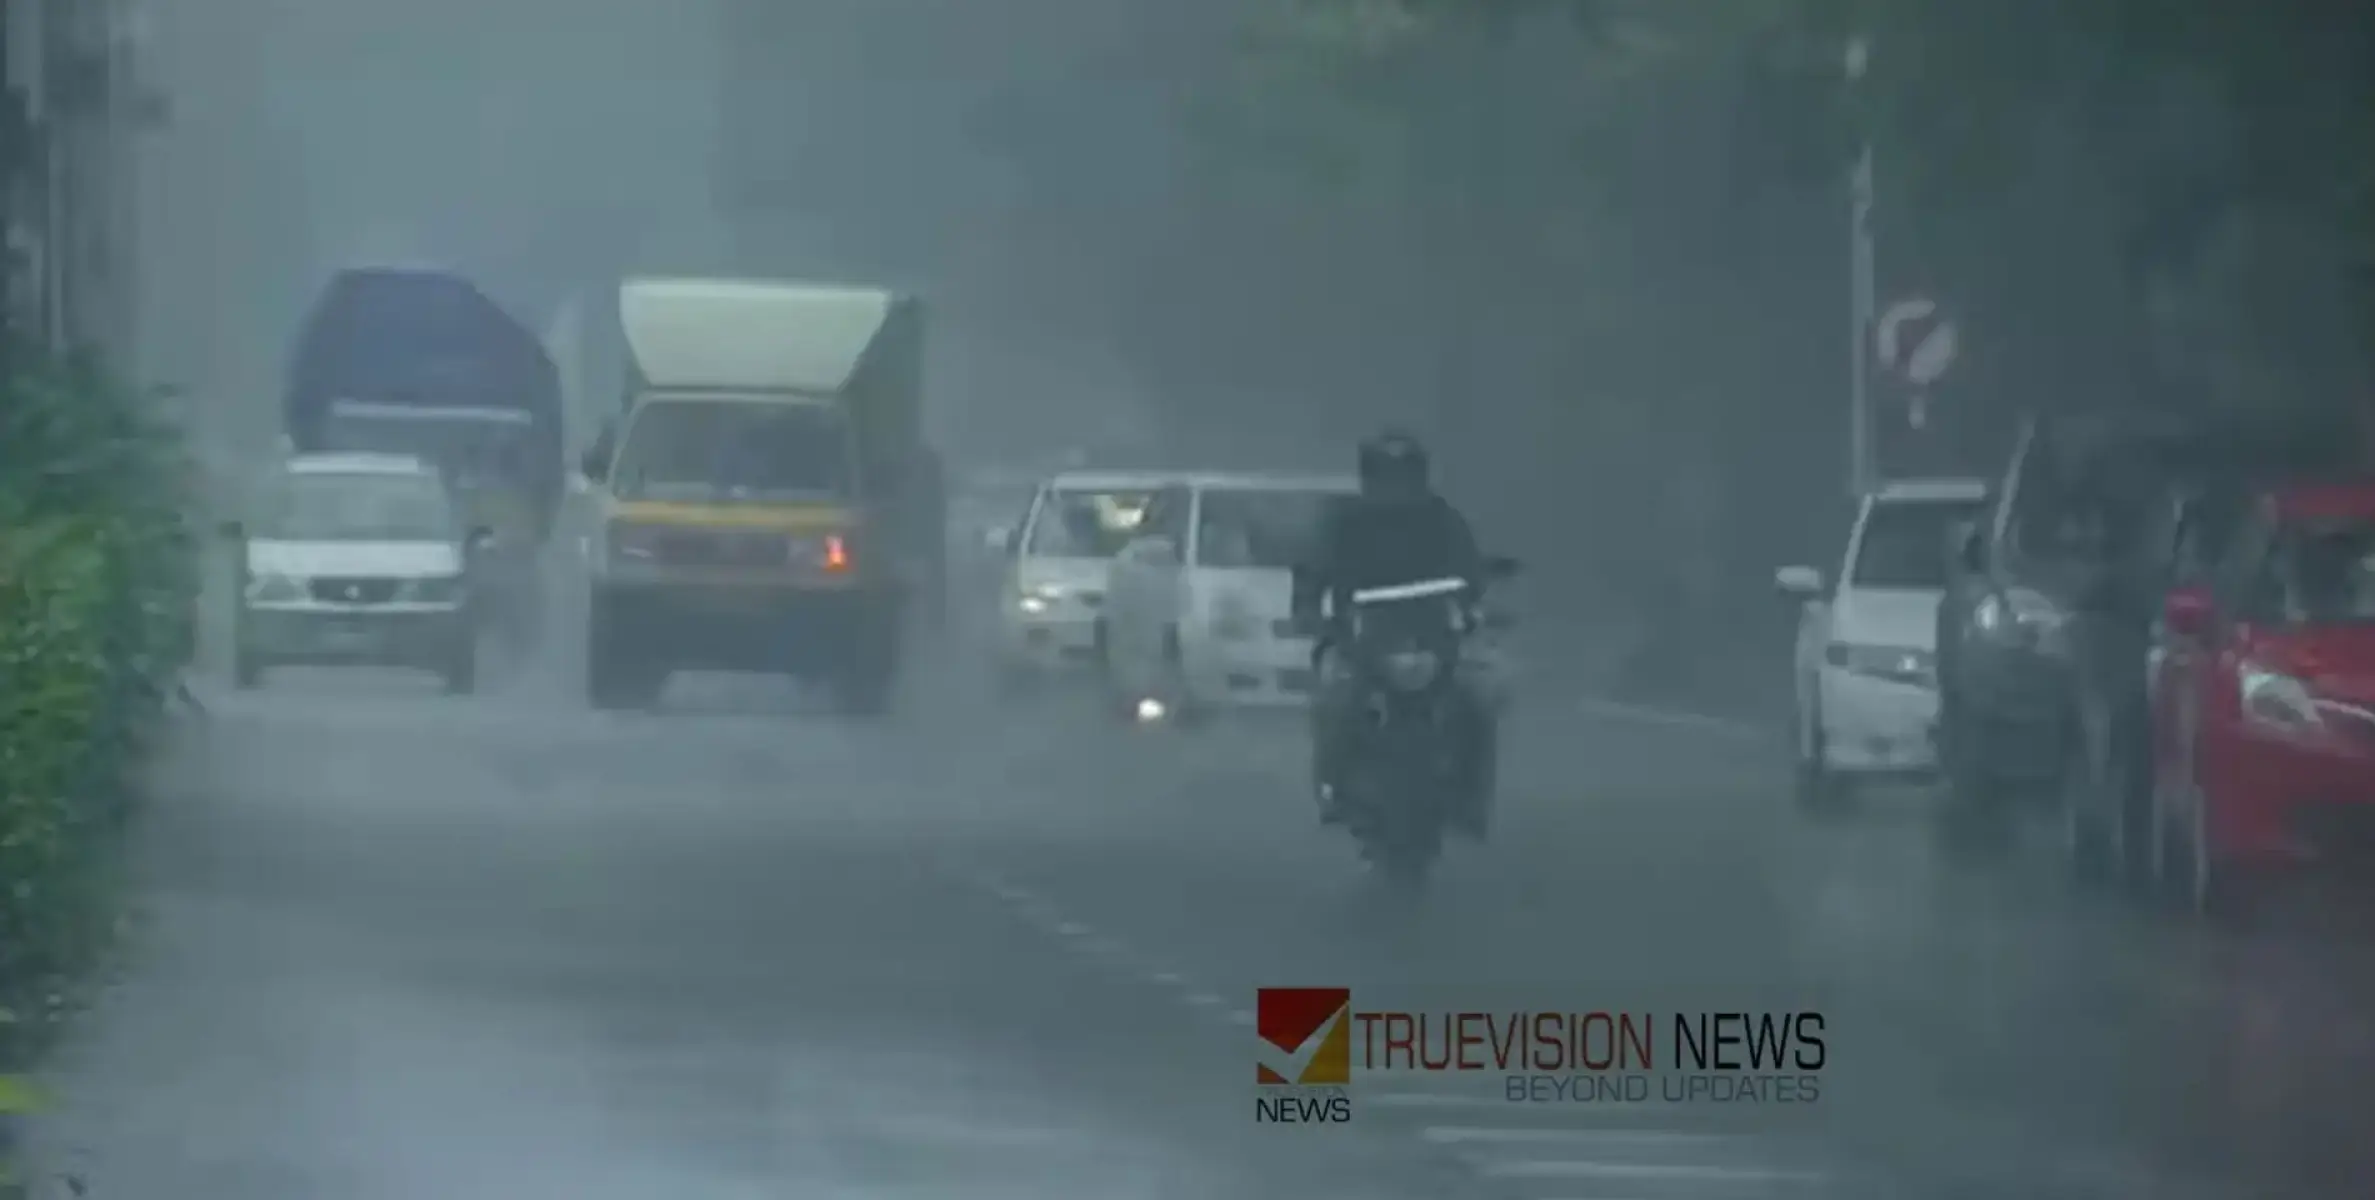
[{"x": 1397, "y": 530}]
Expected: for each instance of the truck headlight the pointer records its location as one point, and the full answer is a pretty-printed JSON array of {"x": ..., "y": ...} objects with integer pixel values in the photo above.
[
  {"x": 274, "y": 589},
  {"x": 631, "y": 542}
]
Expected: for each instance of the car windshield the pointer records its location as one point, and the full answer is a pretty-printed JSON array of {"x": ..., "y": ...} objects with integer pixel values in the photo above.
[
  {"x": 725, "y": 449},
  {"x": 2325, "y": 572},
  {"x": 1904, "y": 544},
  {"x": 1083, "y": 523},
  {"x": 356, "y": 507},
  {"x": 1261, "y": 529}
]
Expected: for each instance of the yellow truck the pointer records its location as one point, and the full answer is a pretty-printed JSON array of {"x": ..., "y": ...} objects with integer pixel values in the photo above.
[{"x": 765, "y": 500}]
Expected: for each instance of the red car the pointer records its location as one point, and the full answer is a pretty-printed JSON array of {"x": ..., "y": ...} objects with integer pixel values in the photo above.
[{"x": 2264, "y": 701}]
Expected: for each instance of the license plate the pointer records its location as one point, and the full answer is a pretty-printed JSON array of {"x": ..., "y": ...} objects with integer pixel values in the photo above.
[{"x": 346, "y": 636}]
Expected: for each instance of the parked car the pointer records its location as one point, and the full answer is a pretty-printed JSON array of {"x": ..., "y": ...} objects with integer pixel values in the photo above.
[
  {"x": 1055, "y": 564},
  {"x": 1199, "y": 611},
  {"x": 1865, "y": 665},
  {"x": 356, "y": 559},
  {"x": 2264, "y": 702},
  {"x": 2045, "y": 635}
]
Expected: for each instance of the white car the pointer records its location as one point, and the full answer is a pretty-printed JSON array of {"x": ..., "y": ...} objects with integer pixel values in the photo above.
[
  {"x": 355, "y": 559},
  {"x": 1866, "y": 664},
  {"x": 1198, "y": 614},
  {"x": 1055, "y": 565}
]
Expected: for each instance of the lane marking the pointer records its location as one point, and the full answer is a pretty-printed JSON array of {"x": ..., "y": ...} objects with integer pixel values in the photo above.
[
  {"x": 1469, "y": 1145},
  {"x": 1728, "y": 728}
]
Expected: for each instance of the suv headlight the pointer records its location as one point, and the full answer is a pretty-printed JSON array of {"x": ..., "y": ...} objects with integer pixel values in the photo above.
[
  {"x": 274, "y": 589},
  {"x": 2275, "y": 701},
  {"x": 435, "y": 590}
]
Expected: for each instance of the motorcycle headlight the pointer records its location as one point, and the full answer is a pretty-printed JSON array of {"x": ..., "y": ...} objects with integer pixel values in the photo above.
[
  {"x": 274, "y": 589},
  {"x": 1411, "y": 670},
  {"x": 2018, "y": 615}
]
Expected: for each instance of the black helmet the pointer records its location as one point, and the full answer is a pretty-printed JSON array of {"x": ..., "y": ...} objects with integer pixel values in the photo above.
[{"x": 1393, "y": 462}]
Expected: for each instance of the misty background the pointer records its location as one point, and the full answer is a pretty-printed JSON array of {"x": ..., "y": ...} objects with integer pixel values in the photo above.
[{"x": 1601, "y": 262}]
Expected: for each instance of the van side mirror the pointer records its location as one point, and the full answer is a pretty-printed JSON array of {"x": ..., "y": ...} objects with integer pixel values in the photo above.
[
  {"x": 594, "y": 463},
  {"x": 1798, "y": 583}
]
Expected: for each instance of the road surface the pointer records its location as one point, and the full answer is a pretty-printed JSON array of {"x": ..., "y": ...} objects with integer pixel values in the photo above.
[{"x": 399, "y": 945}]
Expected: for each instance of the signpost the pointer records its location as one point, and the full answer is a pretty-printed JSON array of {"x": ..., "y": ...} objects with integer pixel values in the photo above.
[{"x": 1916, "y": 343}]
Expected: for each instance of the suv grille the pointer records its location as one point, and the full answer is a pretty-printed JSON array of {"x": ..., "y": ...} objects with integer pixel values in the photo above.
[{"x": 354, "y": 591}]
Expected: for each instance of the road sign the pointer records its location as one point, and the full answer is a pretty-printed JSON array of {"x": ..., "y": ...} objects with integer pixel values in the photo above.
[{"x": 1916, "y": 341}]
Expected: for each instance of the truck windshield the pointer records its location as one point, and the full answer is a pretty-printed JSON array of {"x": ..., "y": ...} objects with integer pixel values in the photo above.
[{"x": 734, "y": 449}]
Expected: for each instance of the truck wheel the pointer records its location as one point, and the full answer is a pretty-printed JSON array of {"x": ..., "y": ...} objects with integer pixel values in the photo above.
[
  {"x": 614, "y": 679},
  {"x": 866, "y": 683}
]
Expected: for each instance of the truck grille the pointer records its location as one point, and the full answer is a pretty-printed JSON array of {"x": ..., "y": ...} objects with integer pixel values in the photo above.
[
  {"x": 711, "y": 548},
  {"x": 354, "y": 590}
]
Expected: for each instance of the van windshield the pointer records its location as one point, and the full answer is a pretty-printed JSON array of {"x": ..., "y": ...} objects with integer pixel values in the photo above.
[
  {"x": 1086, "y": 523},
  {"x": 734, "y": 450}
]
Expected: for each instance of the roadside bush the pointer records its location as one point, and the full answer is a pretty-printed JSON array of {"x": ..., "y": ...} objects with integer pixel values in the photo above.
[{"x": 97, "y": 588}]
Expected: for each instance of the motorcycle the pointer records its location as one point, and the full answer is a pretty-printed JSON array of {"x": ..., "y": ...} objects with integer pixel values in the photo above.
[{"x": 1408, "y": 649}]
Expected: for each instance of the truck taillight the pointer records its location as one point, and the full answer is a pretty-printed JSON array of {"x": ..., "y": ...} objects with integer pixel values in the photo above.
[{"x": 836, "y": 553}]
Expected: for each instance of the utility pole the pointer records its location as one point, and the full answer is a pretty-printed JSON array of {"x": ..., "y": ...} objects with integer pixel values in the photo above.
[{"x": 1862, "y": 471}]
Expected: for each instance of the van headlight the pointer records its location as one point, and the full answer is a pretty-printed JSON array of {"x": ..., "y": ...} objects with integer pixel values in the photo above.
[
  {"x": 274, "y": 589},
  {"x": 1039, "y": 600},
  {"x": 1412, "y": 670}
]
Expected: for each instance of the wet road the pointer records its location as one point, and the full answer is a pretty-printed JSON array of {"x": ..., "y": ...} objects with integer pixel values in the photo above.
[{"x": 400, "y": 945}]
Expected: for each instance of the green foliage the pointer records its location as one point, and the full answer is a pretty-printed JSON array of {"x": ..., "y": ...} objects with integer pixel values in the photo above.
[{"x": 97, "y": 583}]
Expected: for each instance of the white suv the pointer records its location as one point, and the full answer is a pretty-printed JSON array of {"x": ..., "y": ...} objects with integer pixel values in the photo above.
[{"x": 1866, "y": 665}]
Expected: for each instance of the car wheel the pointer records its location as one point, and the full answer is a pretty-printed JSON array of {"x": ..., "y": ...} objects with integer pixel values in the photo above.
[
  {"x": 1971, "y": 818},
  {"x": 1820, "y": 791},
  {"x": 616, "y": 680},
  {"x": 247, "y": 672},
  {"x": 461, "y": 674}
]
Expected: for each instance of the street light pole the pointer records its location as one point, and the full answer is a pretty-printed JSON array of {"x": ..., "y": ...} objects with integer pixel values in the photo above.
[{"x": 1862, "y": 472}]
